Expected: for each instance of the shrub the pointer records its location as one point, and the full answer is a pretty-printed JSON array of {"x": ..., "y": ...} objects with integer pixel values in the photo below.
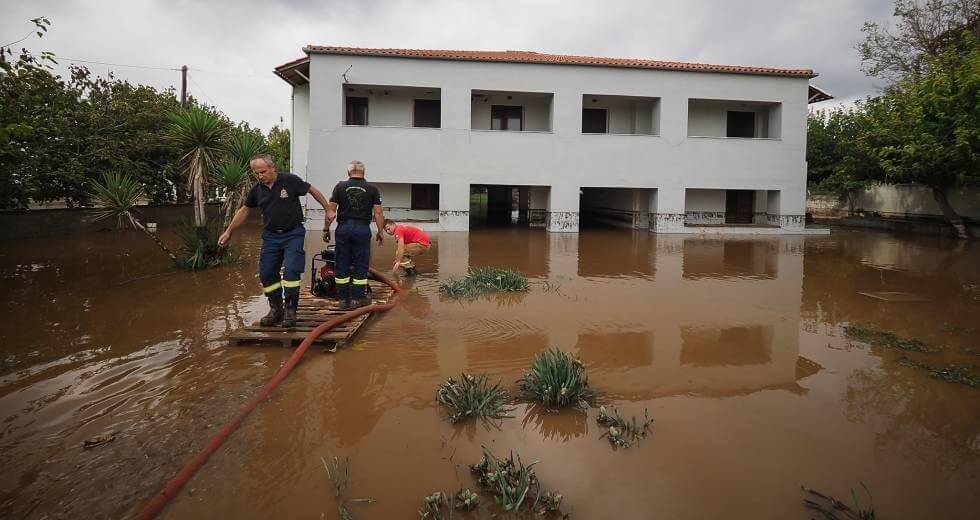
[
  {"x": 512, "y": 483},
  {"x": 200, "y": 249},
  {"x": 623, "y": 433},
  {"x": 556, "y": 380},
  {"x": 482, "y": 280},
  {"x": 472, "y": 396}
]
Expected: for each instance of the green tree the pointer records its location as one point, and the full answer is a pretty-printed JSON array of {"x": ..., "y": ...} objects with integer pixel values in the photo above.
[
  {"x": 278, "y": 141},
  {"x": 933, "y": 123}
]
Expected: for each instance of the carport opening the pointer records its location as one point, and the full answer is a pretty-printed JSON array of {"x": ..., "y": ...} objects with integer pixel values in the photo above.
[
  {"x": 624, "y": 208},
  {"x": 495, "y": 205}
]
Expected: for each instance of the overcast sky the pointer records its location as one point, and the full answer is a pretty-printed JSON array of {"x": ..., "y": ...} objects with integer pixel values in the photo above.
[{"x": 231, "y": 46}]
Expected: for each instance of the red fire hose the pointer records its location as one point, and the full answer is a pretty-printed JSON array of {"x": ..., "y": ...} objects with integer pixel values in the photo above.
[{"x": 154, "y": 506}]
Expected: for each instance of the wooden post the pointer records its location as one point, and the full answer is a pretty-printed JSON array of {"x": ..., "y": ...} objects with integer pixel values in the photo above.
[{"x": 183, "y": 86}]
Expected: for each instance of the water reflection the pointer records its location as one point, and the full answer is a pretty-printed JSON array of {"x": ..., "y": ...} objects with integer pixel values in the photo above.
[
  {"x": 726, "y": 346},
  {"x": 608, "y": 254},
  {"x": 730, "y": 258}
]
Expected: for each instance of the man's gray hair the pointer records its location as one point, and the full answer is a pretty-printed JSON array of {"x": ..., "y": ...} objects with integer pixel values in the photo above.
[
  {"x": 355, "y": 166},
  {"x": 264, "y": 157}
]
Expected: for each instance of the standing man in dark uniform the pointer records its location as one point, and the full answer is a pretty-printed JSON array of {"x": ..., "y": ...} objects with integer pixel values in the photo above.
[
  {"x": 352, "y": 204},
  {"x": 277, "y": 194}
]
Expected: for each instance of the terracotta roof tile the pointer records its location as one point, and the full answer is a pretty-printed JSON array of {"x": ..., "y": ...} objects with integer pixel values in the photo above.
[{"x": 511, "y": 56}]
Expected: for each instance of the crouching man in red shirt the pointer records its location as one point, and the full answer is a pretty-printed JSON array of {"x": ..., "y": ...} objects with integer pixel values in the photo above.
[{"x": 412, "y": 242}]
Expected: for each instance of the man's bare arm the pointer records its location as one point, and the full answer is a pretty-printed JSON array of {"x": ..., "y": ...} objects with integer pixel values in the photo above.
[
  {"x": 379, "y": 220},
  {"x": 236, "y": 222}
]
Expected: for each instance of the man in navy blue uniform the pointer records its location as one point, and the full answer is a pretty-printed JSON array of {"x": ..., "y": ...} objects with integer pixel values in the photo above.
[
  {"x": 277, "y": 195},
  {"x": 353, "y": 203}
]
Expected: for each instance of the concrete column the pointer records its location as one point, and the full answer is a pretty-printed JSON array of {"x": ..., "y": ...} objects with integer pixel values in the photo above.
[
  {"x": 563, "y": 202},
  {"x": 454, "y": 205},
  {"x": 523, "y": 205},
  {"x": 667, "y": 210},
  {"x": 786, "y": 209}
]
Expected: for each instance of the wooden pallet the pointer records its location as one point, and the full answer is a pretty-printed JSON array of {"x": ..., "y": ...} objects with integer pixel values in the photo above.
[{"x": 312, "y": 311}]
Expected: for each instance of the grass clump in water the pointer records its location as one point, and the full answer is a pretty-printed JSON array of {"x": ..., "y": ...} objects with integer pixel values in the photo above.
[
  {"x": 557, "y": 380},
  {"x": 833, "y": 509},
  {"x": 623, "y": 433},
  {"x": 514, "y": 484},
  {"x": 482, "y": 280},
  {"x": 341, "y": 481},
  {"x": 884, "y": 338},
  {"x": 472, "y": 396},
  {"x": 950, "y": 373}
]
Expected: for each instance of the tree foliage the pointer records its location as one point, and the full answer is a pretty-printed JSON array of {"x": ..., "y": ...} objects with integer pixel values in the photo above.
[
  {"x": 58, "y": 134},
  {"x": 925, "y": 127}
]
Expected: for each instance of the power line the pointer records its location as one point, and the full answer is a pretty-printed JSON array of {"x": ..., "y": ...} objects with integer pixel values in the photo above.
[
  {"x": 73, "y": 60},
  {"x": 202, "y": 90},
  {"x": 20, "y": 40}
]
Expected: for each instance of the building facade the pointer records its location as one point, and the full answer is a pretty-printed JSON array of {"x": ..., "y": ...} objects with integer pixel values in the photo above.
[{"x": 459, "y": 139}]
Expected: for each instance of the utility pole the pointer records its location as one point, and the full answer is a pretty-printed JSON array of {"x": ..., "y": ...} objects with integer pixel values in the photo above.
[{"x": 183, "y": 86}]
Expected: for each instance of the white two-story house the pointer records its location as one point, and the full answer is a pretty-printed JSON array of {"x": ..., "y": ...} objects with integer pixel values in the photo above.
[{"x": 460, "y": 139}]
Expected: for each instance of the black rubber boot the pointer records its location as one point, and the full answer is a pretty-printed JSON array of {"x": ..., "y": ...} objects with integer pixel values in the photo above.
[
  {"x": 275, "y": 313},
  {"x": 289, "y": 317},
  {"x": 360, "y": 298},
  {"x": 343, "y": 297}
]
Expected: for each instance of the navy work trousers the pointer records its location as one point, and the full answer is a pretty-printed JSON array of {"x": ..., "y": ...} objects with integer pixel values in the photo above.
[
  {"x": 282, "y": 251},
  {"x": 353, "y": 258}
]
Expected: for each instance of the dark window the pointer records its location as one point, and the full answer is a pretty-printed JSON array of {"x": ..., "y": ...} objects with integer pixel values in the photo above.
[
  {"x": 506, "y": 117},
  {"x": 741, "y": 124},
  {"x": 357, "y": 111},
  {"x": 427, "y": 113},
  {"x": 425, "y": 196},
  {"x": 594, "y": 121}
]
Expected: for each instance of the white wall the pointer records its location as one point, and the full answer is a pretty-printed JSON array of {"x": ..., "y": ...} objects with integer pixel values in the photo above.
[
  {"x": 914, "y": 200},
  {"x": 396, "y": 198},
  {"x": 625, "y": 115},
  {"x": 565, "y": 159},
  {"x": 300, "y": 134},
  {"x": 705, "y": 200}
]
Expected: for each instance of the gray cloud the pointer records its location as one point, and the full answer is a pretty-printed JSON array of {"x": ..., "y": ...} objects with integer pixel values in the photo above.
[{"x": 232, "y": 46}]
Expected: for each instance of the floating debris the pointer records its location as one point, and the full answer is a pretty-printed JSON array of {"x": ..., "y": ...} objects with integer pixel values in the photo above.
[
  {"x": 886, "y": 339},
  {"x": 472, "y": 396},
  {"x": 482, "y": 280},
  {"x": 467, "y": 500},
  {"x": 556, "y": 380},
  {"x": 895, "y": 296},
  {"x": 833, "y": 509},
  {"x": 98, "y": 441},
  {"x": 623, "y": 433},
  {"x": 512, "y": 483}
]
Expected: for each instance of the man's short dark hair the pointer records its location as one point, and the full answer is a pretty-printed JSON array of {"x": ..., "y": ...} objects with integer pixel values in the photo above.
[
  {"x": 388, "y": 221},
  {"x": 265, "y": 157}
]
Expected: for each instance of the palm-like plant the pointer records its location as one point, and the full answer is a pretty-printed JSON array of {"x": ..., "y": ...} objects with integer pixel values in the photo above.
[
  {"x": 235, "y": 180},
  {"x": 201, "y": 136},
  {"x": 116, "y": 195}
]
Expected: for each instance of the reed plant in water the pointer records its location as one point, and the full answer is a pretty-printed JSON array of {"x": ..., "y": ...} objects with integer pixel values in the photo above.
[
  {"x": 557, "y": 380},
  {"x": 831, "y": 508},
  {"x": 441, "y": 506},
  {"x": 514, "y": 484},
  {"x": 623, "y": 433},
  {"x": 482, "y": 280},
  {"x": 472, "y": 396}
]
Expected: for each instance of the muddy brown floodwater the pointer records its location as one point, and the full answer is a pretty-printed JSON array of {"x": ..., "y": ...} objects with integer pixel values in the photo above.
[{"x": 735, "y": 347}]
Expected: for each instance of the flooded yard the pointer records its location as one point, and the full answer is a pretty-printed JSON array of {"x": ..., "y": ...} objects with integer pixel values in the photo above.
[{"x": 735, "y": 347}]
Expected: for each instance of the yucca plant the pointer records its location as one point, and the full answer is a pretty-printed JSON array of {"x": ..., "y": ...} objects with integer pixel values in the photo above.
[
  {"x": 513, "y": 483},
  {"x": 116, "y": 195},
  {"x": 201, "y": 136},
  {"x": 483, "y": 280},
  {"x": 472, "y": 396},
  {"x": 235, "y": 180},
  {"x": 200, "y": 249},
  {"x": 623, "y": 433},
  {"x": 557, "y": 380}
]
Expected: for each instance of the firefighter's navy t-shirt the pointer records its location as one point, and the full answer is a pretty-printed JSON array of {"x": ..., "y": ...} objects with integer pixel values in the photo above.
[
  {"x": 281, "y": 210},
  {"x": 355, "y": 199}
]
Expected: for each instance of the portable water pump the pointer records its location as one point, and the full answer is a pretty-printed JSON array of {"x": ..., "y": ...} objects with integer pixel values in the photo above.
[{"x": 322, "y": 274}]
